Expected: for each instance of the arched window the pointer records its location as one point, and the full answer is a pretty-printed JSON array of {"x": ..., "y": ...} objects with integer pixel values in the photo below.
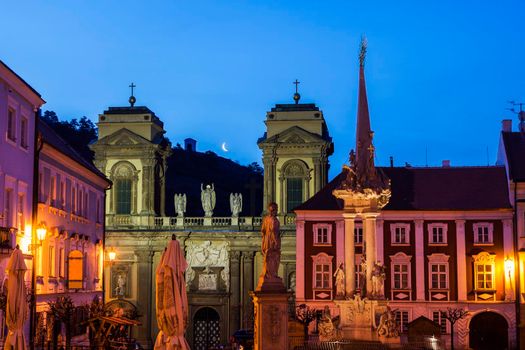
[
  {"x": 295, "y": 184},
  {"x": 75, "y": 270},
  {"x": 124, "y": 177}
]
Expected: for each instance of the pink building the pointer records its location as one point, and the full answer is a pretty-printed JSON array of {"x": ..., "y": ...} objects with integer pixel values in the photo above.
[{"x": 19, "y": 105}]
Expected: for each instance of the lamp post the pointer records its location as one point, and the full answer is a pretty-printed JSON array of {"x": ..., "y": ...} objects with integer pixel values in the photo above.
[
  {"x": 41, "y": 231},
  {"x": 111, "y": 255}
]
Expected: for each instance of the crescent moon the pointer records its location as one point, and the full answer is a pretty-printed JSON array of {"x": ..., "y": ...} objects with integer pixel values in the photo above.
[{"x": 223, "y": 146}]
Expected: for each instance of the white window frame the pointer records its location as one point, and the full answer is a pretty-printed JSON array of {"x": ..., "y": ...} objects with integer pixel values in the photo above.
[
  {"x": 490, "y": 231},
  {"x": 438, "y": 260},
  {"x": 401, "y": 259},
  {"x": 443, "y": 227},
  {"x": 358, "y": 269},
  {"x": 485, "y": 259},
  {"x": 393, "y": 229},
  {"x": 316, "y": 228},
  {"x": 11, "y": 124},
  {"x": 358, "y": 227},
  {"x": 322, "y": 259}
]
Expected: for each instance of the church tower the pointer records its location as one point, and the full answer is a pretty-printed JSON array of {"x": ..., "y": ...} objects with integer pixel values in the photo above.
[
  {"x": 296, "y": 147},
  {"x": 132, "y": 152}
]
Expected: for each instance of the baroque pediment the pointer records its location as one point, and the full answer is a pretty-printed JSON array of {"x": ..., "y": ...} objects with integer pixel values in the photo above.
[
  {"x": 123, "y": 137},
  {"x": 295, "y": 135}
]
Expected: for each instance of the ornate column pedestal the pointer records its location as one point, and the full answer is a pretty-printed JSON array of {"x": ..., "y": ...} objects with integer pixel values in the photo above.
[{"x": 271, "y": 320}]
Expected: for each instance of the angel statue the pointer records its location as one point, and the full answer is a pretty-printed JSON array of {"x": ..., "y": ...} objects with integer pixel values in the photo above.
[
  {"x": 208, "y": 199},
  {"x": 235, "y": 204},
  {"x": 180, "y": 204}
]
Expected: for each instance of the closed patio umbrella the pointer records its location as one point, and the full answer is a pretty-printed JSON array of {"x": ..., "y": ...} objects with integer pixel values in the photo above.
[
  {"x": 172, "y": 301},
  {"x": 17, "y": 307}
]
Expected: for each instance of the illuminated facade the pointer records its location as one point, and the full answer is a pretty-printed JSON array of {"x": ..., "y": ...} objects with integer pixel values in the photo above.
[
  {"x": 69, "y": 260},
  {"x": 19, "y": 105},
  {"x": 418, "y": 239}
]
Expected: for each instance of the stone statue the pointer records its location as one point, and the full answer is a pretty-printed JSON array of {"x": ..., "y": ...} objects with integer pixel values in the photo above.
[
  {"x": 362, "y": 275},
  {"x": 388, "y": 326},
  {"x": 325, "y": 326},
  {"x": 120, "y": 290},
  {"x": 378, "y": 279},
  {"x": 235, "y": 204},
  {"x": 180, "y": 204},
  {"x": 339, "y": 275},
  {"x": 208, "y": 199},
  {"x": 271, "y": 248},
  {"x": 292, "y": 282}
]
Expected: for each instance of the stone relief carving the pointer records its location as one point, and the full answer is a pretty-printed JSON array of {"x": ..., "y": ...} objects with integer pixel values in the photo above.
[
  {"x": 274, "y": 321},
  {"x": 207, "y": 254}
]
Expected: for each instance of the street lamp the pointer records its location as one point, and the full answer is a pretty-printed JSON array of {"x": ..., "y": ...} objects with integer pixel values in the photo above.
[
  {"x": 41, "y": 232},
  {"x": 111, "y": 255},
  {"x": 509, "y": 266}
]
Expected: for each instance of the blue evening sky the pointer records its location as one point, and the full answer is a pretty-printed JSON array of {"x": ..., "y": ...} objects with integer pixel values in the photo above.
[{"x": 439, "y": 73}]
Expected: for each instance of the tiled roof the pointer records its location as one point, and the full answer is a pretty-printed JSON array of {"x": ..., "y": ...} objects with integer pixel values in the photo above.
[
  {"x": 454, "y": 188},
  {"x": 515, "y": 150},
  {"x": 51, "y": 138}
]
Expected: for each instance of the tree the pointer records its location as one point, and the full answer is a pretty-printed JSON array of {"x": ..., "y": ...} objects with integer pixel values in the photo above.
[
  {"x": 453, "y": 315},
  {"x": 62, "y": 310},
  {"x": 305, "y": 315},
  {"x": 256, "y": 168}
]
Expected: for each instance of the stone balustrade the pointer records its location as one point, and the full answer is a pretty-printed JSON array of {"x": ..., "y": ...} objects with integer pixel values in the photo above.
[{"x": 168, "y": 222}]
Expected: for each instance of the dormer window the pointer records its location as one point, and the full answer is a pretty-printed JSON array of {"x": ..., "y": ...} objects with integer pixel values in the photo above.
[
  {"x": 400, "y": 234},
  {"x": 322, "y": 234}
]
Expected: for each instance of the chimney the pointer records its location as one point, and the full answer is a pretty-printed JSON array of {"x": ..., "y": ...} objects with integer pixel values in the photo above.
[
  {"x": 506, "y": 125},
  {"x": 446, "y": 163},
  {"x": 521, "y": 116},
  {"x": 391, "y": 161},
  {"x": 190, "y": 145}
]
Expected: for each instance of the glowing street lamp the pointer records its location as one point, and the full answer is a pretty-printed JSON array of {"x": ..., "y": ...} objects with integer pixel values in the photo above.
[
  {"x": 41, "y": 232},
  {"x": 111, "y": 255},
  {"x": 509, "y": 266}
]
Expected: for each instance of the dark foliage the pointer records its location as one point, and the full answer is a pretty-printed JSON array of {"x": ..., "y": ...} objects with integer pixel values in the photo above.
[{"x": 78, "y": 133}]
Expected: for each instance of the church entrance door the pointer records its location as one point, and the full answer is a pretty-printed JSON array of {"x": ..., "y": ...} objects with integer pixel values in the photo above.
[
  {"x": 206, "y": 329},
  {"x": 488, "y": 331}
]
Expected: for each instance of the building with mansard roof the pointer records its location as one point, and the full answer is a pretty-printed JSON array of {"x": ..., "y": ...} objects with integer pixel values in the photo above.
[{"x": 415, "y": 240}]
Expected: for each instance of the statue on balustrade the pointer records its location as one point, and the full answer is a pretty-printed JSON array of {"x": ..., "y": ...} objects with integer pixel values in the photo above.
[
  {"x": 235, "y": 204},
  {"x": 208, "y": 199},
  {"x": 180, "y": 204}
]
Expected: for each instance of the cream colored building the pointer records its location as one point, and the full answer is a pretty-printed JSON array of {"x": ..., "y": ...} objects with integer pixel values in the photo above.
[
  {"x": 223, "y": 252},
  {"x": 296, "y": 147}
]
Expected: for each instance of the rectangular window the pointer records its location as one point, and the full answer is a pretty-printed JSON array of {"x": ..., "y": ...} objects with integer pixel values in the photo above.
[
  {"x": 358, "y": 235},
  {"x": 74, "y": 200},
  {"x": 437, "y": 235},
  {"x": 400, "y": 233},
  {"x": 8, "y": 207},
  {"x": 123, "y": 188},
  {"x": 401, "y": 276},
  {"x": 438, "y": 274},
  {"x": 322, "y": 276},
  {"x": 21, "y": 218},
  {"x": 62, "y": 194},
  {"x": 294, "y": 193},
  {"x": 438, "y": 317},
  {"x": 482, "y": 234},
  {"x": 52, "y": 270},
  {"x": 61, "y": 262},
  {"x": 484, "y": 276},
  {"x": 358, "y": 271},
  {"x": 11, "y": 125},
  {"x": 402, "y": 320},
  {"x": 53, "y": 191},
  {"x": 98, "y": 211},
  {"x": 23, "y": 133}
]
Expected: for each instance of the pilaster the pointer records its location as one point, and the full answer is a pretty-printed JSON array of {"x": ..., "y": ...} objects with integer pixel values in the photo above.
[
  {"x": 299, "y": 274},
  {"x": 420, "y": 260},
  {"x": 247, "y": 275},
  {"x": 461, "y": 260},
  {"x": 349, "y": 253},
  {"x": 235, "y": 289},
  {"x": 144, "y": 295}
]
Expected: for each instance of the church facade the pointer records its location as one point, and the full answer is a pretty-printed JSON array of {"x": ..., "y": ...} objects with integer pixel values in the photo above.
[
  {"x": 222, "y": 248},
  {"x": 410, "y": 242}
]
